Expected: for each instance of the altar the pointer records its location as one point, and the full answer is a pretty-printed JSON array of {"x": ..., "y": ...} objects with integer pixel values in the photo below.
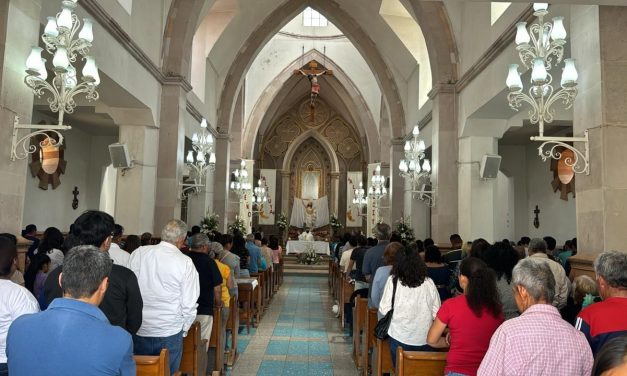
[{"x": 298, "y": 246}]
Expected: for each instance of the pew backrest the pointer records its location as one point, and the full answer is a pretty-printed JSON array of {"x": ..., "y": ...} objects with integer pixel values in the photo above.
[
  {"x": 413, "y": 363},
  {"x": 157, "y": 365}
]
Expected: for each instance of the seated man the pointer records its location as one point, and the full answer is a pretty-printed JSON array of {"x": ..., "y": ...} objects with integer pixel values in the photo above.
[
  {"x": 538, "y": 342},
  {"x": 605, "y": 320},
  {"x": 78, "y": 338},
  {"x": 537, "y": 253}
]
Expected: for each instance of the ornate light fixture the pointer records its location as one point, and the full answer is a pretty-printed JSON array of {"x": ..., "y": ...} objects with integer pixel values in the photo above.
[
  {"x": 62, "y": 43},
  {"x": 240, "y": 183},
  {"x": 203, "y": 147},
  {"x": 260, "y": 193},
  {"x": 537, "y": 47},
  {"x": 377, "y": 189},
  {"x": 359, "y": 197},
  {"x": 415, "y": 168}
]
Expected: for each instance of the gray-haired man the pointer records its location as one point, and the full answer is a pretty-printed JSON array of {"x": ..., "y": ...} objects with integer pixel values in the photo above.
[{"x": 537, "y": 253}]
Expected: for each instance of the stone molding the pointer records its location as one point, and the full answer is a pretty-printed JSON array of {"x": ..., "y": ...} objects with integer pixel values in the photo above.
[{"x": 115, "y": 30}]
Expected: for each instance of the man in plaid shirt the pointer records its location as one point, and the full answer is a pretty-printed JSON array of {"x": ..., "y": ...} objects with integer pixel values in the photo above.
[{"x": 538, "y": 342}]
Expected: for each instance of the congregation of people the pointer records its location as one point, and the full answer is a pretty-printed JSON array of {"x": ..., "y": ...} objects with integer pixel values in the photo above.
[
  {"x": 496, "y": 309},
  {"x": 94, "y": 298}
]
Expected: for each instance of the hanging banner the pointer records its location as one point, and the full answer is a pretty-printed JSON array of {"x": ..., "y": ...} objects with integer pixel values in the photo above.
[
  {"x": 246, "y": 202},
  {"x": 353, "y": 211},
  {"x": 266, "y": 210},
  {"x": 373, "y": 211}
]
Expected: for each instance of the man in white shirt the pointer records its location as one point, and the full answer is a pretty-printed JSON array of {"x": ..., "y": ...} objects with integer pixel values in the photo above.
[
  {"x": 117, "y": 254},
  {"x": 15, "y": 300},
  {"x": 537, "y": 253},
  {"x": 169, "y": 284}
]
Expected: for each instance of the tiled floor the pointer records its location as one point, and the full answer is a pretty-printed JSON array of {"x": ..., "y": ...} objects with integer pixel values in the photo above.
[{"x": 298, "y": 335}]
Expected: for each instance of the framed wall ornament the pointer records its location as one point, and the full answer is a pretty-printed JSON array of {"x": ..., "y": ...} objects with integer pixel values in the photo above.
[
  {"x": 563, "y": 173},
  {"x": 47, "y": 162}
]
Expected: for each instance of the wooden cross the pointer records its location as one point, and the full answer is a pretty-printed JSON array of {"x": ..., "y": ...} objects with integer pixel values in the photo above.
[
  {"x": 536, "y": 220},
  {"x": 75, "y": 192},
  {"x": 311, "y": 71}
]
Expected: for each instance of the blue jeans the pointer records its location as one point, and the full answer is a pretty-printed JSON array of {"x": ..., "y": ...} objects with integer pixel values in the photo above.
[
  {"x": 153, "y": 346},
  {"x": 394, "y": 344},
  {"x": 4, "y": 369}
]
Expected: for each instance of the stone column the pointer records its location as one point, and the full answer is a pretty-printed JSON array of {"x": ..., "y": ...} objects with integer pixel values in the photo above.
[
  {"x": 136, "y": 187},
  {"x": 19, "y": 29},
  {"x": 335, "y": 193},
  {"x": 444, "y": 167},
  {"x": 477, "y": 197},
  {"x": 171, "y": 148},
  {"x": 285, "y": 194},
  {"x": 397, "y": 183},
  {"x": 221, "y": 179},
  {"x": 600, "y": 49}
]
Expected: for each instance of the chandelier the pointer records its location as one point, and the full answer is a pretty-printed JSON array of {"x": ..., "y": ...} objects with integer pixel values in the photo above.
[
  {"x": 415, "y": 168},
  {"x": 66, "y": 47},
  {"x": 377, "y": 188},
  {"x": 260, "y": 193},
  {"x": 196, "y": 160},
  {"x": 359, "y": 197},
  {"x": 541, "y": 48},
  {"x": 240, "y": 184}
]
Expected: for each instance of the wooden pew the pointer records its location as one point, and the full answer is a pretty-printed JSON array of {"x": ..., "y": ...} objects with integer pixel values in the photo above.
[
  {"x": 330, "y": 277},
  {"x": 346, "y": 292},
  {"x": 194, "y": 358},
  {"x": 414, "y": 363},
  {"x": 370, "y": 323},
  {"x": 383, "y": 361},
  {"x": 148, "y": 365},
  {"x": 359, "y": 317},
  {"x": 256, "y": 304},
  {"x": 245, "y": 292},
  {"x": 215, "y": 341},
  {"x": 233, "y": 325}
]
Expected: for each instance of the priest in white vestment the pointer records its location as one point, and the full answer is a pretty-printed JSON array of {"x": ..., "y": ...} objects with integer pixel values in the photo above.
[{"x": 306, "y": 236}]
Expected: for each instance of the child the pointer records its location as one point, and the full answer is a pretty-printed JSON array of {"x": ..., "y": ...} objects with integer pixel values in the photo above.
[{"x": 36, "y": 274}]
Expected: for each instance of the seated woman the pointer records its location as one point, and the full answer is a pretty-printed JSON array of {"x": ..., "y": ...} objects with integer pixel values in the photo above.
[
  {"x": 416, "y": 303},
  {"x": 584, "y": 293},
  {"x": 51, "y": 245},
  {"x": 382, "y": 274},
  {"x": 438, "y": 271},
  {"x": 502, "y": 257},
  {"x": 472, "y": 318}
]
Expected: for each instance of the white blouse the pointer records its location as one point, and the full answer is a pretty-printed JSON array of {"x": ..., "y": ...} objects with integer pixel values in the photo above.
[
  {"x": 414, "y": 310},
  {"x": 56, "y": 258}
]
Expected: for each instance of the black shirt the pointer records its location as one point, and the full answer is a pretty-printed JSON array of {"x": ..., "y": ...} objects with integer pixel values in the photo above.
[
  {"x": 122, "y": 303},
  {"x": 358, "y": 257},
  {"x": 210, "y": 277},
  {"x": 243, "y": 256}
]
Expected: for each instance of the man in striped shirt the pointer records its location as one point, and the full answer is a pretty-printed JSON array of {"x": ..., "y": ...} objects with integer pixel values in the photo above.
[{"x": 538, "y": 342}]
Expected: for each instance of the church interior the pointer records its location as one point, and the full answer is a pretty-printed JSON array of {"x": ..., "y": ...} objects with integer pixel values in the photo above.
[{"x": 292, "y": 117}]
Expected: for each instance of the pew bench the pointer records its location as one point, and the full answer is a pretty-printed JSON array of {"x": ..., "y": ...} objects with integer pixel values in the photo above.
[
  {"x": 153, "y": 365},
  {"x": 194, "y": 358},
  {"x": 420, "y": 363},
  {"x": 359, "y": 318}
]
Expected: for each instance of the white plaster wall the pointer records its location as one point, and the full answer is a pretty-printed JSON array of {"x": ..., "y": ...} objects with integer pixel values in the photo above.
[
  {"x": 282, "y": 50},
  {"x": 504, "y": 207},
  {"x": 532, "y": 186},
  {"x": 86, "y": 157}
]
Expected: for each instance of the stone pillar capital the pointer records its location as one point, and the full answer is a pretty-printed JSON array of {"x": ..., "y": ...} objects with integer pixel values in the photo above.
[
  {"x": 441, "y": 88},
  {"x": 334, "y": 175},
  {"x": 285, "y": 174}
]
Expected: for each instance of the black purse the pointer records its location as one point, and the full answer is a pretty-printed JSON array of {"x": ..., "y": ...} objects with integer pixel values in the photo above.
[{"x": 381, "y": 330}]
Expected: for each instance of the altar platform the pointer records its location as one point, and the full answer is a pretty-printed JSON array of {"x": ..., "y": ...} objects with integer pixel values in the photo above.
[{"x": 299, "y": 246}]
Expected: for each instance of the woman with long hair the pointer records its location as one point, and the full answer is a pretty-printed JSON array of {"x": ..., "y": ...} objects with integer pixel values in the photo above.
[
  {"x": 472, "y": 318},
  {"x": 502, "y": 257},
  {"x": 438, "y": 271},
  {"x": 51, "y": 245},
  {"x": 416, "y": 302},
  {"x": 239, "y": 249}
]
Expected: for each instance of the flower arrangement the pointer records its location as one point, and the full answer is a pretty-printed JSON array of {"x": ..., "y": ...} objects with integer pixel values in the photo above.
[
  {"x": 281, "y": 221},
  {"x": 309, "y": 257},
  {"x": 403, "y": 227},
  {"x": 237, "y": 226},
  {"x": 335, "y": 223},
  {"x": 209, "y": 225}
]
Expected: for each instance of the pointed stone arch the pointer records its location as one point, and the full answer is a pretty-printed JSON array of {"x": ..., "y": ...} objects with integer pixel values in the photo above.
[
  {"x": 360, "y": 111},
  {"x": 298, "y": 141}
]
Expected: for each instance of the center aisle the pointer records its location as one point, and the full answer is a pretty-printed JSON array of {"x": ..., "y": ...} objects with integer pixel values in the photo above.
[{"x": 298, "y": 335}]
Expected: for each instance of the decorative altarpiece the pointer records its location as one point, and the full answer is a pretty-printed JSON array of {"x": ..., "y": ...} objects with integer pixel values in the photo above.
[{"x": 311, "y": 156}]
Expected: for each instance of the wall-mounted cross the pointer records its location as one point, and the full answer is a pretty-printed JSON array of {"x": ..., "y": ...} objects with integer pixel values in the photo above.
[
  {"x": 536, "y": 220},
  {"x": 75, "y": 192}
]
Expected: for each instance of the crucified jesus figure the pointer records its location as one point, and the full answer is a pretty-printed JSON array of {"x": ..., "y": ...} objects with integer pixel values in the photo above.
[{"x": 315, "y": 86}]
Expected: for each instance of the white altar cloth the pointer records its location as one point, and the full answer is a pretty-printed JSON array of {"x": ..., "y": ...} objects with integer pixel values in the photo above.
[{"x": 297, "y": 246}]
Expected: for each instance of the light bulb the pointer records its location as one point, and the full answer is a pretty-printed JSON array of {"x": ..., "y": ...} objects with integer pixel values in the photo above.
[
  {"x": 43, "y": 72},
  {"x": 407, "y": 146},
  {"x": 243, "y": 164},
  {"x": 200, "y": 157},
  {"x": 212, "y": 158},
  {"x": 539, "y": 73},
  {"x": 569, "y": 75},
  {"x": 361, "y": 185},
  {"x": 402, "y": 166},
  {"x": 384, "y": 191},
  {"x": 195, "y": 138},
  {"x": 522, "y": 35},
  {"x": 232, "y": 185},
  {"x": 51, "y": 28},
  {"x": 90, "y": 70},
  {"x": 426, "y": 165},
  {"x": 412, "y": 165},
  {"x": 244, "y": 173},
  {"x": 87, "y": 32},
  {"x": 378, "y": 169},
  {"x": 558, "y": 32},
  {"x": 540, "y": 6},
  {"x": 236, "y": 173},
  {"x": 34, "y": 61},
  {"x": 64, "y": 20},
  {"x": 61, "y": 60},
  {"x": 415, "y": 131},
  {"x": 513, "y": 80},
  {"x": 421, "y": 146},
  {"x": 210, "y": 139},
  {"x": 203, "y": 123},
  {"x": 190, "y": 157}
]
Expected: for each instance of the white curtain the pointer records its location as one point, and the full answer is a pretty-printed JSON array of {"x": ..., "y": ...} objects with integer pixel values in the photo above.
[{"x": 321, "y": 207}]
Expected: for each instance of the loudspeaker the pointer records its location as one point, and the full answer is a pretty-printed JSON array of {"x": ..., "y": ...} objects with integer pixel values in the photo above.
[
  {"x": 490, "y": 166},
  {"x": 120, "y": 158}
]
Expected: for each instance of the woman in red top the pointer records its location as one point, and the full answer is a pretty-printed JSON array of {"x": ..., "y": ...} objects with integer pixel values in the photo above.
[{"x": 471, "y": 318}]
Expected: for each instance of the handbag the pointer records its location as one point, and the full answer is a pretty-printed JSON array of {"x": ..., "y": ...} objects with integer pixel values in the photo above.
[{"x": 381, "y": 329}]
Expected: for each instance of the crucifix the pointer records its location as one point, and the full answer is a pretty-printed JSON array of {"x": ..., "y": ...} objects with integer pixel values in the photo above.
[
  {"x": 311, "y": 71},
  {"x": 75, "y": 192},
  {"x": 536, "y": 220}
]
